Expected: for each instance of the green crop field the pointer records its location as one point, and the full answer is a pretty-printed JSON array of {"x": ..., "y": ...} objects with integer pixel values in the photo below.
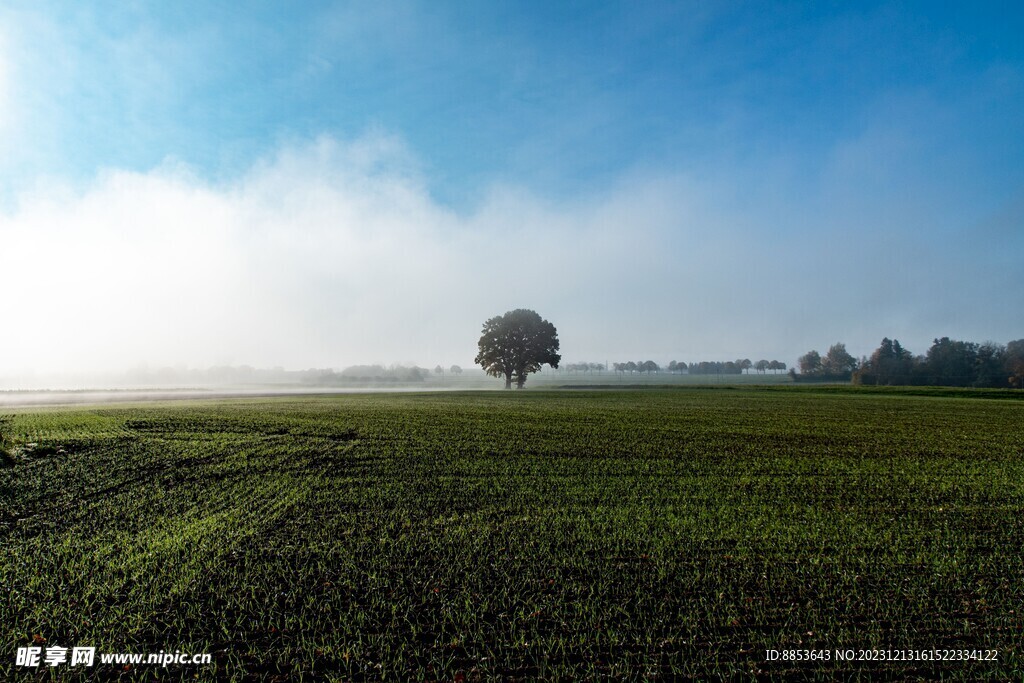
[{"x": 674, "y": 534}]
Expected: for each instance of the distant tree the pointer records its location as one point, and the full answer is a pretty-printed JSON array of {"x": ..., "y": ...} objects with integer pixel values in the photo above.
[
  {"x": 951, "y": 363},
  {"x": 367, "y": 373},
  {"x": 1013, "y": 363},
  {"x": 672, "y": 366},
  {"x": 774, "y": 365},
  {"x": 585, "y": 367},
  {"x": 714, "y": 368},
  {"x": 810, "y": 363},
  {"x": 838, "y": 362},
  {"x": 517, "y": 344},
  {"x": 438, "y": 370},
  {"x": 455, "y": 370},
  {"x": 989, "y": 364},
  {"x": 761, "y": 366},
  {"x": 630, "y": 367},
  {"x": 948, "y": 362},
  {"x": 780, "y": 365},
  {"x": 648, "y": 366},
  {"x": 889, "y": 364}
]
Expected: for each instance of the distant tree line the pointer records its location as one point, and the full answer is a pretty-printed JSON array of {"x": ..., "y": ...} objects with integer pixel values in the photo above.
[
  {"x": 736, "y": 367},
  {"x": 247, "y": 375},
  {"x": 365, "y": 373},
  {"x": 836, "y": 366},
  {"x": 585, "y": 367},
  {"x": 631, "y": 367},
  {"x": 948, "y": 362}
]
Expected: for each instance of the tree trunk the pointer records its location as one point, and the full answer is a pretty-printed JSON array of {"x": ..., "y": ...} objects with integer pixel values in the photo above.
[{"x": 508, "y": 380}]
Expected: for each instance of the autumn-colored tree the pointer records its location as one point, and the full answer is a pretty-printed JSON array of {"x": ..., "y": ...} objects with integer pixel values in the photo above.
[
  {"x": 838, "y": 361},
  {"x": 810, "y": 363}
]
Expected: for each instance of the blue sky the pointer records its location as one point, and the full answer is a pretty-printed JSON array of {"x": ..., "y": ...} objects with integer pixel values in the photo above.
[{"x": 719, "y": 179}]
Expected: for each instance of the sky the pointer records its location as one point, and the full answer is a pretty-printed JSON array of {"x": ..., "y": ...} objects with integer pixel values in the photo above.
[{"x": 322, "y": 184}]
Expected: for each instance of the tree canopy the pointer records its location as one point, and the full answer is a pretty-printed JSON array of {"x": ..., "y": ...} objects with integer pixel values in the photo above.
[
  {"x": 810, "y": 363},
  {"x": 516, "y": 344},
  {"x": 838, "y": 362}
]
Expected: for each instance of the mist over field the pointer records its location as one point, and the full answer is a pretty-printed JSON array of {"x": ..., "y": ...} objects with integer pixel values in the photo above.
[{"x": 682, "y": 212}]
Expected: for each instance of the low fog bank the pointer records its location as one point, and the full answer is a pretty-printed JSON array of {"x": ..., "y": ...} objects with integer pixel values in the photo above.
[
  {"x": 246, "y": 378},
  {"x": 242, "y": 378},
  {"x": 248, "y": 382},
  {"x": 228, "y": 382}
]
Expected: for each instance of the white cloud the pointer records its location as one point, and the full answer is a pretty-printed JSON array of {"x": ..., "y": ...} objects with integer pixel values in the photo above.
[
  {"x": 325, "y": 255},
  {"x": 331, "y": 253},
  {"x": 6, "y": 95}
]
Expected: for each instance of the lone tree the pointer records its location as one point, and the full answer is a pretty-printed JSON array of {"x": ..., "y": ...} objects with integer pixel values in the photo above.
[
  {"x": 516, "y": 344},
  {"x": 5, "y": 458}
]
